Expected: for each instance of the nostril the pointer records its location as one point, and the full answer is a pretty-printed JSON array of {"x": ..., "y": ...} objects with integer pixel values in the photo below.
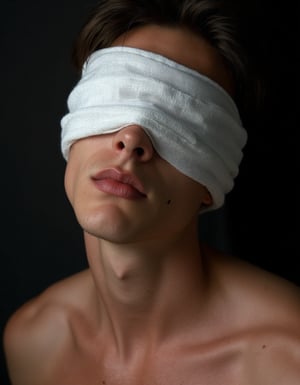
[
  {"x": 140, "y": 151},
  {"x": 121, "y": 145}
]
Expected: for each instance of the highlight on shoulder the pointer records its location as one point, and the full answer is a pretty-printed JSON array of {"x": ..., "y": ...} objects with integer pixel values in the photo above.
[{"x": 40, "y": 330}]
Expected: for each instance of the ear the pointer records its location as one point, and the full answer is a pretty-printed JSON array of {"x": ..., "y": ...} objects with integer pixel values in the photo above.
[{"x": 207, "y": 198}]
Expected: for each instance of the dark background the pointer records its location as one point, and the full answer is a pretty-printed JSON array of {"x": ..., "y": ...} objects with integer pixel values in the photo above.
[{"x": 40, "y": 239}]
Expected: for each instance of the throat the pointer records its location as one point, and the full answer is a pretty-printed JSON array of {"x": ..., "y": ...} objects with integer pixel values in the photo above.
[
  {"x": 145, "y": 295},
  {"x": 133, "y": 280}
]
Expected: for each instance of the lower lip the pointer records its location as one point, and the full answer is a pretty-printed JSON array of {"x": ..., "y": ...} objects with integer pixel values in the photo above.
[{"x": 122, "y": 190}]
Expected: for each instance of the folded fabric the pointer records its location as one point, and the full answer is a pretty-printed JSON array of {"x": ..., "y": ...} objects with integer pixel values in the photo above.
[{"x": 192, "y": 122}]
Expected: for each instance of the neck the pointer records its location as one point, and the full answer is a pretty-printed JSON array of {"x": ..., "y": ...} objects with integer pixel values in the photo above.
[{"x": 150, "y": 290}]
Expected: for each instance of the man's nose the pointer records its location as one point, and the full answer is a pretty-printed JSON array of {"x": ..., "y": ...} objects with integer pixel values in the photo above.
[{"x": 133, "y": 142}]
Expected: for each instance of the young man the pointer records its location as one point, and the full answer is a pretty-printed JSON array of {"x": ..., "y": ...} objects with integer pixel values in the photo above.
[{"x": 152, "y": 139}]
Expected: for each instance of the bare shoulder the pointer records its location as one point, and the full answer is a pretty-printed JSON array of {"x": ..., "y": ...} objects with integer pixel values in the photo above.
[
  {"x": 39, "y": 330},
  {"x": 267, "y": 313},
  {"x": 271, "y": 295}
]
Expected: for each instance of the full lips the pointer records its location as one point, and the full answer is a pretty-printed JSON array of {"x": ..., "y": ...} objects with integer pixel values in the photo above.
[
  {"x": 115, "y": 182},
  {"x": 119, "y": 189}
]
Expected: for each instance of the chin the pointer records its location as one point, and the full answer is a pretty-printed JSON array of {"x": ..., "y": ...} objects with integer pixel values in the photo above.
[{"x": 108, "y": 223}]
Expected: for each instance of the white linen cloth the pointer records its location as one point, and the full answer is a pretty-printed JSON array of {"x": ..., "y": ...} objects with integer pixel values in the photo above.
[{"x": 192, "y": 122}]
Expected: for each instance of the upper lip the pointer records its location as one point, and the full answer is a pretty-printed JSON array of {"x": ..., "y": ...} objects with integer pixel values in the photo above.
[{"x": 122, "y": 177}]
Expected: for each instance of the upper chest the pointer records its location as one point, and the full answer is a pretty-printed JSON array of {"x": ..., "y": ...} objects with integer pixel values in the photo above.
[
  {"x": 235, "y": 359},
  {"x": 180, "y": 366}
]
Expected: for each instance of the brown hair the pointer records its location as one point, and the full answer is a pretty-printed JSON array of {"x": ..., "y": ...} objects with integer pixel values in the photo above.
[{"x": 208, "y": 18}]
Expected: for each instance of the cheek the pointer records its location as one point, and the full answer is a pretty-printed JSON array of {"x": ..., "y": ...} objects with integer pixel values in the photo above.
[
  {"x": 67, "y": 182},
  {"x": 72, "y": 171},
  {"x": 70, "y": 180},
  {"x": 188, "y": 196}
]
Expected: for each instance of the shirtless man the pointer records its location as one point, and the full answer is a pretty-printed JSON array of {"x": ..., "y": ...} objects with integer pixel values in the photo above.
[{"x": 155, "y": 307}]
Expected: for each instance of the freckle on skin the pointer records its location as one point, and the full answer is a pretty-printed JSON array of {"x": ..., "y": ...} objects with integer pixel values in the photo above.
[{"x": 264, "y": 346}]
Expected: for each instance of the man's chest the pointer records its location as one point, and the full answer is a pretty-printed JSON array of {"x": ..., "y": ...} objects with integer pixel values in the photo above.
[{"x": 190, "y": 369}]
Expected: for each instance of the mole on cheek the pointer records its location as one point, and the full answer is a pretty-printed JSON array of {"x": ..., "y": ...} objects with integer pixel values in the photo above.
[{"x": 168, "y": 201}]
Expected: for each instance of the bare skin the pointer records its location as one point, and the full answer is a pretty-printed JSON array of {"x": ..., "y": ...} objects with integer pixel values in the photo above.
[{"x": 155, "y": 307}]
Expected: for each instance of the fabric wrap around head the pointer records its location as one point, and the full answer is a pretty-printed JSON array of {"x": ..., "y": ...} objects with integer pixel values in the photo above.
[{"x": 192, "y": 122}]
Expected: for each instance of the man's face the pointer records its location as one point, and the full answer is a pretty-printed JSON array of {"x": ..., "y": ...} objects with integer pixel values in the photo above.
[{"x": 119, "y": 187}]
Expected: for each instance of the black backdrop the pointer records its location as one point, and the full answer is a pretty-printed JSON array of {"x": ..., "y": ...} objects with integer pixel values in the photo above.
[{"x": 40, "y": 240}]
